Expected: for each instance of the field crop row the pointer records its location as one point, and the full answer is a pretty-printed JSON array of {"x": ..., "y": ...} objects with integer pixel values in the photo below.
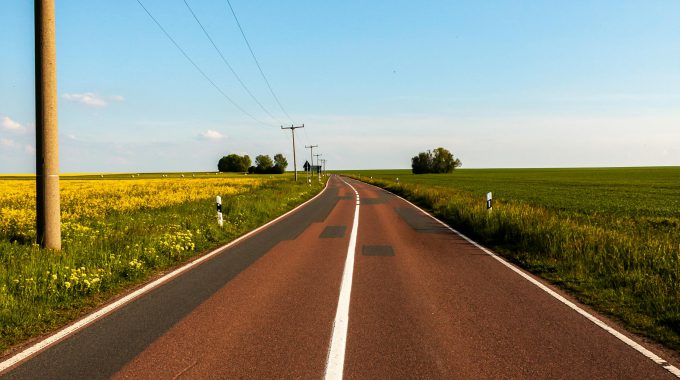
[
  {"x": 116, "y": 233},
  {"x": 609, "y": 236}
]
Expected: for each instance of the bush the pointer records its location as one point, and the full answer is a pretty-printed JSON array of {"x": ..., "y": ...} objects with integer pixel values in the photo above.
[
  {"x": 234, "y": 163},
  {"x": 438, "y": 161}
]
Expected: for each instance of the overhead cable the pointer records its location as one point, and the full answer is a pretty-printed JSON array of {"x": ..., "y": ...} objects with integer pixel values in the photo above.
[
  {"x": 199, "y": 69},
  {"x": 226, "y": 62},
  {"x": 257, "y": 62}
]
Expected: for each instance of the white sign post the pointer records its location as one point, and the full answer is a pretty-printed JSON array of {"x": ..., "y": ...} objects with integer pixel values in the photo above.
[
  {"x": 220, "y": 221},
  {"x": 489, "y": 201}
]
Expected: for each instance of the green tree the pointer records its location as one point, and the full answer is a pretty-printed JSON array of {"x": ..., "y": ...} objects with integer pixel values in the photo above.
[
  {"x": 443, "y": 161},
  {"x": 422, "y": 163},
  {"x": 280, "y": 164},
  {"x": 263, "y": 164},
  {"x": 245, "y": 163},
  {"x": 438, "y": 161},
  {"x": 230, "y": 163},
  {"x": 234, "y": 163}
]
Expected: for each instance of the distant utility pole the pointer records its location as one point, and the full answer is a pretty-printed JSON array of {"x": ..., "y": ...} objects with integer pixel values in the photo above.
[
  {"x": 318, "y": 164},
  {"x": 311, "y": 157},
  {"x": 48, "y": 216},
  {"x": 323, "y": 162},
  {"x": 292, "y": 132}
]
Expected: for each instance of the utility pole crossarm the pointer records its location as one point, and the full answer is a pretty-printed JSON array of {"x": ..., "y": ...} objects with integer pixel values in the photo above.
[{"x": 292, "y": 131}]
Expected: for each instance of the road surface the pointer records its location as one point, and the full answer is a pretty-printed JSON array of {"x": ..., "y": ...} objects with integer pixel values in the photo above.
[{"x": 385, "y": 293}]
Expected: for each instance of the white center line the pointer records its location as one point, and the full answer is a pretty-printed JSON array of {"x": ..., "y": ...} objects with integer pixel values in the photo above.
[{"x": 336, "y": 352}]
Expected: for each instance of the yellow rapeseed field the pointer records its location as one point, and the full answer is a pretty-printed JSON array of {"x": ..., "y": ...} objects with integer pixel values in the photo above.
[
  {"x": 116, "y": 231},
  {"x": 95, "y": 199}
]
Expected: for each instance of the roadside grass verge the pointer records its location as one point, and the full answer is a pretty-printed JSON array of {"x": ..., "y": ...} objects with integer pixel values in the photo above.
[
  {"x": 624, "y": 265},
  {"x": 122, "y": 241}
]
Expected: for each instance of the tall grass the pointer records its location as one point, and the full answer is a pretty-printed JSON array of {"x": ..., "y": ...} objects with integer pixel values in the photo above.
[
  {"x": 625, "y": 267},
  {"x": 41, "y": 290}
]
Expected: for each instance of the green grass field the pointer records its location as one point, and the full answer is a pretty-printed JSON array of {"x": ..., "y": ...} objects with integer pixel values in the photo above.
[
  {"x": 628, "y": 192},
  {"x": 610, "y": 236}
]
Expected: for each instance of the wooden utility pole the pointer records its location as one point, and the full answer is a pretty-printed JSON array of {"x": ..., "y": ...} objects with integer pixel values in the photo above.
[
  {"x": 311, "y": 157},
  {"x": 48, "y": 216},
  {"x": 318, "y": 164},
  {"x": 292, "y": 131}
]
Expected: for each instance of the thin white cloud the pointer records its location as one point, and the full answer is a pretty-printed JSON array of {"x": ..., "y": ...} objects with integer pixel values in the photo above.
[
  {"x": 211, "y": 135},
  {"x": 89, "y": 99},
  {"x": 117, "y": 98},
  {"x": 8, "y": 124},
  {"x": 8, "y": 143}
]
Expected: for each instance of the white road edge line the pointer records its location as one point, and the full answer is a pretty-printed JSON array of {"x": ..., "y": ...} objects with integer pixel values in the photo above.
[
  {"x": 639, "y": 348},
  {"x": 88, "y": 319},
  {"x": 336, "y": 352}
]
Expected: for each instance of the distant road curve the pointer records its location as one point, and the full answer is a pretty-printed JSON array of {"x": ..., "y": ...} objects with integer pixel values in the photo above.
[{"x": 357, "y": 283}]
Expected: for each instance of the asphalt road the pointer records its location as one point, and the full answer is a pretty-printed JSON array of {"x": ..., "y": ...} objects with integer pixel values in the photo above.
[{"x": 424, "y": 303}]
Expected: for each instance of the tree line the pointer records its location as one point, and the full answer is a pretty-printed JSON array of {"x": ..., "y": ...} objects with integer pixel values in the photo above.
[
  {"x": 263, "y": 164},
  {"x": 439, "y": 160}
]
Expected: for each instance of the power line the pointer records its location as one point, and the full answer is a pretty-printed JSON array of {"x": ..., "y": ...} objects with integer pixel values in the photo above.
[
  {"x": 256, "y": 62},
  {"x": 198, "y": 68},
  {"x": 226, "y": 62}
]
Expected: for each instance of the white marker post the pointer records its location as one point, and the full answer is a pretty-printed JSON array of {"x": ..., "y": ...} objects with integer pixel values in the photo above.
[
  {"x": 488, "y": 201},
  {"x": 220, "y": 221}
]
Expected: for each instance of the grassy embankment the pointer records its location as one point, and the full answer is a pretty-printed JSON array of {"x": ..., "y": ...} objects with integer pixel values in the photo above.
[
  {"x": 119, "y": 230},
  {"x": 610, "y": 236}
]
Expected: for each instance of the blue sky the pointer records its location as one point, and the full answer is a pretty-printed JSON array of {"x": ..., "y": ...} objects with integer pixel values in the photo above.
[{"x": 501, "y": 84}]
